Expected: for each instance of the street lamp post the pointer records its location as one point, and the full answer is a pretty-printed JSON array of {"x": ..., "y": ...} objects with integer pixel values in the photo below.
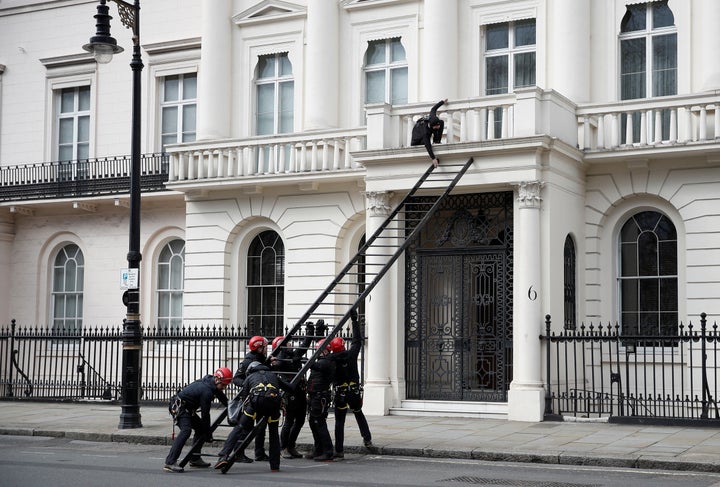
[{"x": 103, "y": 46}]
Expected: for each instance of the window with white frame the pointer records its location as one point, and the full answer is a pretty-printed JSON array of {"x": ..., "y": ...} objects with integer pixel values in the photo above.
[
  {"x": 509, "y": 56},
  {"x": 648, "y": 58},
  {"x": 275, "y": 95},
  {"x": 386, "y": 72},
  {"x": 266, "y": 284},
  {"x": 73, "y": 123},
  {"x": 178, "y": 108},
  {"x": 68, "y": 280},
  {"x": 170, "y": 285},
  {"x": 647, "y": 282},
  {"x": 509, "y": 62}
]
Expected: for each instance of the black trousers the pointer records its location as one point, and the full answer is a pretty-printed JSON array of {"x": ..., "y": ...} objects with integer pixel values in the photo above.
[
  {"x": 187, "y": 422},
  {"x": 295, "y": 411},
  {"x": 349, "y": 400},
  {"x": 318, "y": 407}
]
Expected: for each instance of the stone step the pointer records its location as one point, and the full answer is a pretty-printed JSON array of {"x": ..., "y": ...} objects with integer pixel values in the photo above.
[{"x": 451, "y": 409}]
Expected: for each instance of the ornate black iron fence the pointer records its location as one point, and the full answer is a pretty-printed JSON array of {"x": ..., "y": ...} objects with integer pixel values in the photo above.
[
  {"x": 81, "y": 178},
  {"x": 599, "y": 372},
  {"x": 39, "y": 363}
]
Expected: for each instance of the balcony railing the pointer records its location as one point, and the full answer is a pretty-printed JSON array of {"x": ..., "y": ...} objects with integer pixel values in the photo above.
[
  {"x": 308, "y": 152},
  {"x": 656, "y": 124},
  {"x": 670, "y": 120},
  {"x": 83, "y": 178}
]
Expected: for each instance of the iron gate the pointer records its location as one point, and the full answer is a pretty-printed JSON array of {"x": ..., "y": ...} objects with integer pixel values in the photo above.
[{"x": 459, "y": 302}]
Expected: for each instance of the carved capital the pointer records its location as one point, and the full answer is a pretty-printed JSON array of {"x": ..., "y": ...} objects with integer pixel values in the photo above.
[
  {"x": 529, "y": 193},
  {"x": 377, "y": 203}
]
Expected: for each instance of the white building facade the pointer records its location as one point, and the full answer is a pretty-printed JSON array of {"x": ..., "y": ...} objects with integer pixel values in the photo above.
[{"x": 284, "y": 126}]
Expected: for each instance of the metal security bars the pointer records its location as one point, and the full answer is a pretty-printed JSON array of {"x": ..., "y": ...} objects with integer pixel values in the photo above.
[
  {"x": 38, "y": 363},
  {"x": 596, "y": 371}
]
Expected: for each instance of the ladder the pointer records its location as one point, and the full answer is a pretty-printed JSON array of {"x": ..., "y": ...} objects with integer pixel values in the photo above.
[
  {"x": 365, "y": 270},
  {"x": 345, "y": 293}
]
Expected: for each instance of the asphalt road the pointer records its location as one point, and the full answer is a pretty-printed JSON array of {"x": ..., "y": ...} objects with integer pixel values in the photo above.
[{"x": 58, "y": 462}]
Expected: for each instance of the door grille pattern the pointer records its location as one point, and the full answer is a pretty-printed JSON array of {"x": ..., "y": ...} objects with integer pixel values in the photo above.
[{"x": 459, "y": 301}]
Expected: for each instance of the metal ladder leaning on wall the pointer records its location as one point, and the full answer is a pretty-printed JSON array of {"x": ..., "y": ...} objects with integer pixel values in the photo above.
[{"x": 345, "y": 293}]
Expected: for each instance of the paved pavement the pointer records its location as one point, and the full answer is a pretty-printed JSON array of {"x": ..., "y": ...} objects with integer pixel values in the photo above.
[{"x": 570, "y": 442}]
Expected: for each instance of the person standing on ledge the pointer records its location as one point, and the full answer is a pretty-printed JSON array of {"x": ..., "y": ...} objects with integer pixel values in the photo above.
[{"x": 428, "y": 130}]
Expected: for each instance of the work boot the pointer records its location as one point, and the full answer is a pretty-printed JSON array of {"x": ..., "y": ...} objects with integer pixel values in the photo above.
[
  {"x": 175, "y": 468},
  {"x": 368, "y": 443},
  {"x": 223, "y": 461},
  {"x": 199, "y": 463},
  {"x": 292, "y": 451},
  {"x": 339, "y": 454},
  {"x": 261, "y": 457},
  {"x": 323, "y": 458}
]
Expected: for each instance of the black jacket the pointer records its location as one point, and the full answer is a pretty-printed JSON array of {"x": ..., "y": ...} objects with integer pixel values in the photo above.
[
  {"x": 422, "y": 133},
  {"x": 250, "y": 357},
  {"x": 322, "y": 374},
  {"x": 346, "y": 362},
  {"x": 200, "y": 395}
]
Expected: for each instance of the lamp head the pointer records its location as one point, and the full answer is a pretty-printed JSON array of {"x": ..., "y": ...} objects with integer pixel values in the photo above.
[{"x": 102, "y": 44}]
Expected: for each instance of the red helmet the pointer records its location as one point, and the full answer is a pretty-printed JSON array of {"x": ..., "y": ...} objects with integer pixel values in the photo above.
[
  {"x": 337, "y": 344},
  {"x": 223, "y": 375},
  {"x": 257, "y": 342},
  {"x": 276, "y": 342}
]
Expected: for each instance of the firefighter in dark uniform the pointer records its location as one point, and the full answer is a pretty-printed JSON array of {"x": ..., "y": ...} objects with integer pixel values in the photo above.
[
  {"x": 257, "y": 353},
  {"x": 197, "y": 395},
  {"x": 428, "y": 130},
  {"x": 287, "y": 364},
  {"x": 347, "y": 388},
  {"x": 320, "y": 380},
  {"x": 261, "y": 390}
]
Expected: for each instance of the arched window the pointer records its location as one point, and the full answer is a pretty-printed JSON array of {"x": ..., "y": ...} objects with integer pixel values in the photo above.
[
  {"x": 67, "y": 289},
  {"x": 266, "y": 285},
  {"x": 386, "y": 72},
  {"x": 275, "y": 92},
  {"x": 569, "y": 261},
  {"x": 648, "y": 58},
  {"x": 170, "y": 285},
  {"x": 648, "y": 275}
]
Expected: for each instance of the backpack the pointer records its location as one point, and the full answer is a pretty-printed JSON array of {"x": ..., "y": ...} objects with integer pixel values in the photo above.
[{"x": 419, "y": 130}]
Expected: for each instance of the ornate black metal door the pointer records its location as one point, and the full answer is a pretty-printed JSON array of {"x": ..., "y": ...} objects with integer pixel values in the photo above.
[{"x": 459, "y": 331}]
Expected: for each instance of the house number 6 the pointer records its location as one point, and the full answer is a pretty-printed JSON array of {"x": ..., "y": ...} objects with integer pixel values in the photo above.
[{"x": 532, "y": 294}]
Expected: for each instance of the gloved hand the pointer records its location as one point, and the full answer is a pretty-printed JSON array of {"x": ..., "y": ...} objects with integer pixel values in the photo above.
[
  {"x": 309, "y": 329},
  {"x": 321, "y": 328},
  {"x": 354, "y": 315}
]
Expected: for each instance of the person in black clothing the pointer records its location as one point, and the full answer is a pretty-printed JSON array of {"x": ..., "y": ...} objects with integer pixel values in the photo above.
[
  {"x": 347, "y": 387},
  {"x": 261, "y": 389},
  {"x": 257, "y": 353},
  {"x": 321, "y": 377},
  {"x": 428, "y": 130},
  {"x": 288, "y": 362},
  {"x": 197, "y": 395}
]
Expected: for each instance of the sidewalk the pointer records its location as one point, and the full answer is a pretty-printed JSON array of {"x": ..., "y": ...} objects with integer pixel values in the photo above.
[{"x": 569, "y": 443}]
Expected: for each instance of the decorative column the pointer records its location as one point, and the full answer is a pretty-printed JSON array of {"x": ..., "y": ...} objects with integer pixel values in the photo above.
[
  {"x": 214, "y": 86},
  {"x": 706, "y": 38},
  {"x": 526, "y": 395},
  {"x": 322, "y": 58},
  {"x": 568, "y": 49},
  {"x": 378, "y": 316},
  {"x": 439, "y": 51},
  {"x": 7, "y": 235}
]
